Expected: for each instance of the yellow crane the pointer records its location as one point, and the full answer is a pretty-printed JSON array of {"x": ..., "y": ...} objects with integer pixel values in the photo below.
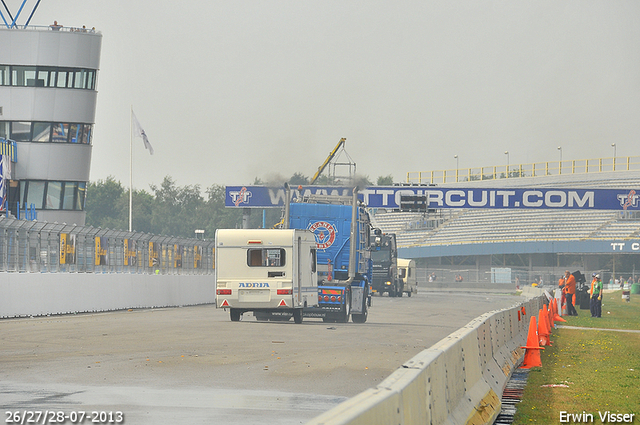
[{"x": 328, "y": 160}]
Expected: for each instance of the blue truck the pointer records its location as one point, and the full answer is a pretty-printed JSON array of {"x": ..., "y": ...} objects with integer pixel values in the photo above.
[
  {"x": 321, "y": 250},
  {"x": 342, "y": 229}
]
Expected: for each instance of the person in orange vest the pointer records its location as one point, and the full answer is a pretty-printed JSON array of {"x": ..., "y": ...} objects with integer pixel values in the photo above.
[
  {"x": 569, "y": 292},
  {"x": 596, "y": 297}
]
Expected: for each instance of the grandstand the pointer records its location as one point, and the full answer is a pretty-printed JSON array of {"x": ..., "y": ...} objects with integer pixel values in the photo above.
[{"x": 548, "y": 237}]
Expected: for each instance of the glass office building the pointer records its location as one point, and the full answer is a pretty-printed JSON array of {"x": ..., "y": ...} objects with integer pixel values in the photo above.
[{"x": 48, "y": 98}]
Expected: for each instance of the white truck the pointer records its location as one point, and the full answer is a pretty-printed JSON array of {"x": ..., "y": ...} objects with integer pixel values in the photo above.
[
  {"x": 266, "y": 271},
  {"x": 407, "y": 273}
]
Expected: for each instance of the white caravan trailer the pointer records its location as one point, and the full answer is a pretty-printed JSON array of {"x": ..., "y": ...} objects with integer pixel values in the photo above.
[
  {"x": 407, "y": 273},
  {"x": 266, "y": 271}
]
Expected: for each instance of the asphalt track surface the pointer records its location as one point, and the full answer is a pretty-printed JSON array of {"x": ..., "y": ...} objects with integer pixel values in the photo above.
[{"x": 191, "y": 365}]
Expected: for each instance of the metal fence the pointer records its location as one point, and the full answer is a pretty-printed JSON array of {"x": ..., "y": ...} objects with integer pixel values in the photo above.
[
  {"x": 537, "y": 169},
  {"x": 41, "y": 247}
]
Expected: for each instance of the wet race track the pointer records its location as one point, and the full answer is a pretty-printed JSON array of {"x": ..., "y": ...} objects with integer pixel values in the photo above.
[{"x": 191, "y": 365}]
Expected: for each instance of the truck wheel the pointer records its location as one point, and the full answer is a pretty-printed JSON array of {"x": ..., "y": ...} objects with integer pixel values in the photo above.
[
  {"x": 347, "y": 311},
  {"x": 235, "y": 315},
  {"x": 297, "y": 315},
  {"x": 361, "y": 318}
]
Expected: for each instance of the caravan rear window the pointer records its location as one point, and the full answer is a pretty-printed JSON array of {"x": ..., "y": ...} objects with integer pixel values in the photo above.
[{"x": 265, "y": 257}]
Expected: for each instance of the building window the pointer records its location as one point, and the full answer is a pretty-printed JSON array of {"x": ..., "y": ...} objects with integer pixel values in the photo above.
[
  {"x": 46, "y": 132},
  {"x": 53, "y": 195},
  {"x": 47, "y": 76},
  {"x": 4, "y": 75},
  {"x": 20, "y": 131},
  {"x": 23, "y": 76},
  {"x": 34, "y": 194},
  {"x": 70, "y": 190},
  {"x": 5, "y": 130},
  {"x": 41, "y": 132},
  {"x": 80, "y": 197}
]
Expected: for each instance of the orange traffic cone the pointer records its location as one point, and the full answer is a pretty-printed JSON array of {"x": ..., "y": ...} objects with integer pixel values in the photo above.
[
  {"x": 556, "y": 316},
  {"x": 543, "y": 328},
  {"x": 532, "y": 353}
]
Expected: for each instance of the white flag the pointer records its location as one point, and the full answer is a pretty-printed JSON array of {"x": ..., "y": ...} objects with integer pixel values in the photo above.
[{"x": 138, "y": 131}]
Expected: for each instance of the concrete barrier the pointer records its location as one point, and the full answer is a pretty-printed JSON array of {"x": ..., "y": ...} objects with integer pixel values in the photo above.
[
  {"x": 39, "y": 294},
  {"x": 459, "y": 380}
]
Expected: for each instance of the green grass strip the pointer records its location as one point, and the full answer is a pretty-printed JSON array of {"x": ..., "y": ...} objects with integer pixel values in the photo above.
[{"x": 588, "y": 372}]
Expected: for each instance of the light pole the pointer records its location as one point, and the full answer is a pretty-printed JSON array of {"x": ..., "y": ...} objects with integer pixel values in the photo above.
[
  {"x": 507, "y": 153},
  {"x": 613, "y": 145},
  {"x": 457, "y": 166},
  {"x": 560, "y": 163}
]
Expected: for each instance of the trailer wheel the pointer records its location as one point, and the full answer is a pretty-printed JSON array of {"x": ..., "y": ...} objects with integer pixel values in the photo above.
[
  {"x": 235, "y": 315},
  {"x": 297, "y": 315}
]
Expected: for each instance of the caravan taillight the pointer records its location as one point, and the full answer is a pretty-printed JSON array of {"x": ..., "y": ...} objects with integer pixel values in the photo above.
[
  {"x": 284, "y": 291},
  {"x": 223, "y": 291}
]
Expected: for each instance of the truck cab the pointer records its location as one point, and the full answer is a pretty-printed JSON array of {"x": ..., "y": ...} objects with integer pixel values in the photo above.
[
  {"x": 384, "y": 256},
  {"x": 407, "y": 274}
]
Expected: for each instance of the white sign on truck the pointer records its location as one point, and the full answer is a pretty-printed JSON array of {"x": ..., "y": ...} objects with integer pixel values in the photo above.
[{"x": 266, "y": 271}]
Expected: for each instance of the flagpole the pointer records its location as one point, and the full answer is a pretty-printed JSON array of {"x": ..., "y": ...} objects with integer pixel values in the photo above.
[{"x": 131, "y": 169}]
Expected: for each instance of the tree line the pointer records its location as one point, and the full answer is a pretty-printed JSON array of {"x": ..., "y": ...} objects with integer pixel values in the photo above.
[{"x": 171, "y": 210}]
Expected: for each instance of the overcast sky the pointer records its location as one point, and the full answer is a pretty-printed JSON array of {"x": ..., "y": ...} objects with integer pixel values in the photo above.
[{"x": 232, "y": 90}]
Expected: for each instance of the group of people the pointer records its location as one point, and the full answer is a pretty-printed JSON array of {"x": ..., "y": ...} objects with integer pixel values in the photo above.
[
  {"x": 568, "y": 286},
  {"x": 622, "y": 281},
  {"x": 56, "y": 27}
]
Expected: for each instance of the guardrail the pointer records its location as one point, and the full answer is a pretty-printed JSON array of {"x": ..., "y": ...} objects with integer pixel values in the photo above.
[
  {"x": 459, "y": 380},
  {"x": 536, "y": 169},
  {"x": 8, "y": 26},
  {"x": 32, "y": 246}
]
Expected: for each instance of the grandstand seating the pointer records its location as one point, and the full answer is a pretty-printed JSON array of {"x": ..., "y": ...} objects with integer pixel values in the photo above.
[
  {"x": 481, "y": 225},
  {"x": 485, "y": 225}
]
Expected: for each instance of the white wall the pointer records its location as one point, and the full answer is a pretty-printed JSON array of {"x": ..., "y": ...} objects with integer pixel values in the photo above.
[{"x": 36, "y": 294}]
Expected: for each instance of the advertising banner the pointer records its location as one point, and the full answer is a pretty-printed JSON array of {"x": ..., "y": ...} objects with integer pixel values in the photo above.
[
  {"x": 67, "y": 248},
  {"x": 197, "y": 257},
  {"x": 101, "y": 251},
  {"x": 447, "y": 198},
  {"x": 177, "y": 256},
  {"x": 130, "y": 253},
  {"x": 153, "y": 255}
]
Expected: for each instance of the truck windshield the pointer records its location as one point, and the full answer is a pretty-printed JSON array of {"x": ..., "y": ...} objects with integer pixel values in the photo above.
[
  {"x": 265, "y": 257},
  {"x": 380, "y": 256}
]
